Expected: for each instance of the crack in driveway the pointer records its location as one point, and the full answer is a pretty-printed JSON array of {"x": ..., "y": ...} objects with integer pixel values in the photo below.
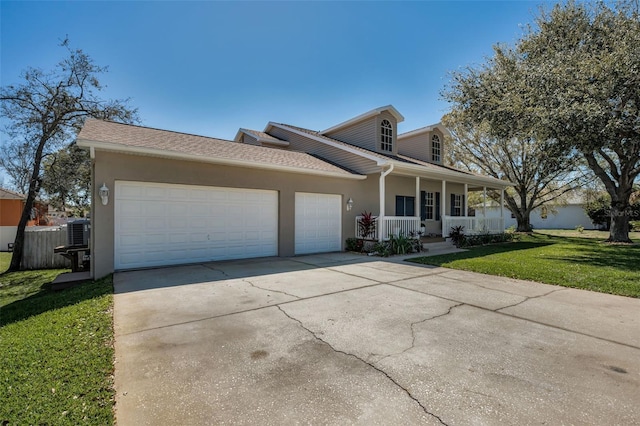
[
  {"x": 413, "y": 331},
  {"x": 270, "y": 289},
  {"x": 527, "y": 298},
  {"x": 373, "y": 366}
]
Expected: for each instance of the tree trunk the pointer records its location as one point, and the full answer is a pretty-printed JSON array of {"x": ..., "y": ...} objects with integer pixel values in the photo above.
[
  {"x": 34, "y": 188},
  {"x": 524, "y": 223},
  {"x": 619, "y": 230},
  {"x": 18, "y": 245}
]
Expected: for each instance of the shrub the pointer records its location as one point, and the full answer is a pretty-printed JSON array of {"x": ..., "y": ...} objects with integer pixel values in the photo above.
[
  {"x": 367, "y": 224},
  {"x": 354, "y": 244},
  {"x": 634, "y": 225},
  {"x": 580, "y": 228},
  {"x": 484, "y": 239},
  {"x": 382, "y": 249},
  {"x": 400, "y": 244},
  {"x": 457, "y": 235}
]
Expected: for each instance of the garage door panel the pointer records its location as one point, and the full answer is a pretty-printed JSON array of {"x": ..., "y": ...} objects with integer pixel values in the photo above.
[
  {"x": 318, "y": 223},
  {"x": 163, "y": 224}
]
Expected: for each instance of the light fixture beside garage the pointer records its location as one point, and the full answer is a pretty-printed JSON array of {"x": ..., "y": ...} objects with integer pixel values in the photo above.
[
  {"x": 349, "y": 204},
  {"x": 104, "y": 194}
]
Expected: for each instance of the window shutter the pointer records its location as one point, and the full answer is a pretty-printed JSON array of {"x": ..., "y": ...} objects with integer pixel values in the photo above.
[
  {"x": 399, "y": 205},
  {"x": 453, "y": 204},
  {"x": 423, "y": 205},
  {"x": 410, "y": 206},
  {"x": 437, "y": 206}
]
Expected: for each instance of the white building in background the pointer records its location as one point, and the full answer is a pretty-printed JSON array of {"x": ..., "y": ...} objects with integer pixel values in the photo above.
[{"x": 566, "y": 216}]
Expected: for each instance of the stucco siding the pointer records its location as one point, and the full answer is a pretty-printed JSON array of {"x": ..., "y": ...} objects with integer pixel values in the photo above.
[
  {"x": 110, "y": 167},
  {"x": 333, "y": 154}
]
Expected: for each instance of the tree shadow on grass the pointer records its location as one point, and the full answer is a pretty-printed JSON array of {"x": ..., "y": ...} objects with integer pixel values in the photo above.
[
  {"x": 49, "y": 300},
  {"x": 480, "y": 251},
  {"x": 624, "y": 258}
]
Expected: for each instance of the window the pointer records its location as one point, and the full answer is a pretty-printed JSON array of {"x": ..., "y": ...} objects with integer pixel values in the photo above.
[
  {"x": 386, "y": 136},
  {"x": 405, "y": 206},
  {"x": 429, "y": 205},
  {"x": 456, "y": 204},
  {"x": 435, "y": 148}
]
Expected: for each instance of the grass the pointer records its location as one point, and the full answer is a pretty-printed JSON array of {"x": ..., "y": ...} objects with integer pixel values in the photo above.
[
  {"x": 555, "y": 257},
  {"x": 57, "y": 351}
]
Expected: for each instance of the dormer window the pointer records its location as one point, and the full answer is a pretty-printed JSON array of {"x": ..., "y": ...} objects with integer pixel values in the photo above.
[
  {"x": 435, "y": 149},
  {"x": 386, "y": 136}
]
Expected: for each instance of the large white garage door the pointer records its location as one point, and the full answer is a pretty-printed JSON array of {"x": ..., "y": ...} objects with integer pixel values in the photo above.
[
  {"x": 318, "y": 223},
  {"x": 162, "y": 224}
]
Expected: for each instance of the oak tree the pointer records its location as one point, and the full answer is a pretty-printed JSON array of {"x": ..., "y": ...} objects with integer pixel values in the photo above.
[{"x": 573, "y": 79}]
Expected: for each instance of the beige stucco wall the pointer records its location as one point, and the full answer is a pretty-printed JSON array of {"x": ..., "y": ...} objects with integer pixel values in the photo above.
[{"x": 110, "y": 167}]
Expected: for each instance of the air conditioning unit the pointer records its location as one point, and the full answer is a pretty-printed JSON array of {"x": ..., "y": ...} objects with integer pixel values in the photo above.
[{"x": 78, "y": 232}]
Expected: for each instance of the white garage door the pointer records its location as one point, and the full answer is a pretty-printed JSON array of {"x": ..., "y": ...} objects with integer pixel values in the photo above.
[
  {"x": 318, "y": 223},
  {"x": 162, "y": 224}
]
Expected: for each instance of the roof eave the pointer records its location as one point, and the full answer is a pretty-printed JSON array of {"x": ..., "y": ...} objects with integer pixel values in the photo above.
[
  {"x": 379, "y": 161},
  {"x": 425, "y": 129},
  {"x": 399, "y": 118},
  {"x": 451, "y": 175},
  {"x": 113, "y": 147}
]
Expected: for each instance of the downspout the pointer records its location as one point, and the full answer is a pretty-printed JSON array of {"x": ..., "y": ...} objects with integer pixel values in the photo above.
[{"x": 381, "y": 229}]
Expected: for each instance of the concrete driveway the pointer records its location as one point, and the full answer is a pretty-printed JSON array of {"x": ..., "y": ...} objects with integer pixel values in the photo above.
[{"x": 348, "y": 339}]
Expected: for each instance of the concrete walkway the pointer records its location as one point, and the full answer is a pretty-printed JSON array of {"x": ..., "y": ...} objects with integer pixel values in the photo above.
[{"x": 348, "y": 339}]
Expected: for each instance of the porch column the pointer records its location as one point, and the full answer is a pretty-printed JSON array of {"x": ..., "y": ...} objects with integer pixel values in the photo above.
[
  {"x": 417, "y": 205},
  {"x": 381, "y": 215},
  {"x": 466, "y": 200},
  {"x": 381, "y": 230},
  {"x": 502, "y": 207},
  {"x": 443, "y": 205}
]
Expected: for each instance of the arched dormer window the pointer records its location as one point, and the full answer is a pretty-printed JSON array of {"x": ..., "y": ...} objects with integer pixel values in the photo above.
[
  {"x": 386, "y": 136},
  {"x": 436, "y": 149}
]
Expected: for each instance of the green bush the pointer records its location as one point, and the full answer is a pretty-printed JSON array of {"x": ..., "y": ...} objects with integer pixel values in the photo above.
[
  {"x": 354, "y": 244},
  {"x": 634, "y": 225},
  {"x": 457, "y": 235},
  {"x": 484, "y": 239}
]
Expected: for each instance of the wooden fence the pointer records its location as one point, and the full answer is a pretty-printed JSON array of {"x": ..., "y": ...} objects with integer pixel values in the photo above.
[{"x": 38, "y": 248}]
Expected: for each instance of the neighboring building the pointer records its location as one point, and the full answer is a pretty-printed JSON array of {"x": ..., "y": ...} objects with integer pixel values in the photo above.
[
  {"x": 11, "y": 205},
  {"x": 163, "y": 198},
  {"x": 567, "y": 215}
]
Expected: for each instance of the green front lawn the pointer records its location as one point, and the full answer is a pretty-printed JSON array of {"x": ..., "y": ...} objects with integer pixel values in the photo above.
[
  {"x": 57, "y": 351},
  {"x": 555, "y": 257}
]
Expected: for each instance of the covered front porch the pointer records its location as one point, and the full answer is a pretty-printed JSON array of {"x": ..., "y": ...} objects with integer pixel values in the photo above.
[{"x": 414, "y": 204}]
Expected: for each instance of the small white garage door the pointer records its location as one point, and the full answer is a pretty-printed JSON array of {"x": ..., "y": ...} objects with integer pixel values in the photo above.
[
  {"x": 162, "y": 224},
  {"x": 318, "y": 223}
]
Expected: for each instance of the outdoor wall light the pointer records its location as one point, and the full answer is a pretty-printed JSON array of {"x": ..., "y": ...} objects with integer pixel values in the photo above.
[
  {"x": 349, "y": 204},
  {"x": 104, "y": 194}
]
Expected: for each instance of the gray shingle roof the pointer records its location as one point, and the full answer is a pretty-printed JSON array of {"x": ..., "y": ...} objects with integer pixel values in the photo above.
[{"x": 165, "y": 141}]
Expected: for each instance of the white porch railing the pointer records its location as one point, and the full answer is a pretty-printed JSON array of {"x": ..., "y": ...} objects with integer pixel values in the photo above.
[
  {"x": 392, "y": 225},
  {"x": 473, "y": 225}
]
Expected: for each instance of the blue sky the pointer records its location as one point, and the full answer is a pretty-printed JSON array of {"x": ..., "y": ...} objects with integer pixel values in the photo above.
[{"x": 212, "y": 67}]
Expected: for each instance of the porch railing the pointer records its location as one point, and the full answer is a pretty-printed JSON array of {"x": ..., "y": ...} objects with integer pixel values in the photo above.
[
  {"x": 473, "y": 225},
  {"x": 391, "y": 225}
]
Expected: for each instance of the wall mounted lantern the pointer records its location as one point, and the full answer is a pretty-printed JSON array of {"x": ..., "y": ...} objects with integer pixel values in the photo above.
[
  {"x": 349, "y": 204},
  {"x": 104, "y": 194}
]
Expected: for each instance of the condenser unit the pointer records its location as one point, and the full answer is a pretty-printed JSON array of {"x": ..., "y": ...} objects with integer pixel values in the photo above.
[{"x": 78, "y": 232}]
